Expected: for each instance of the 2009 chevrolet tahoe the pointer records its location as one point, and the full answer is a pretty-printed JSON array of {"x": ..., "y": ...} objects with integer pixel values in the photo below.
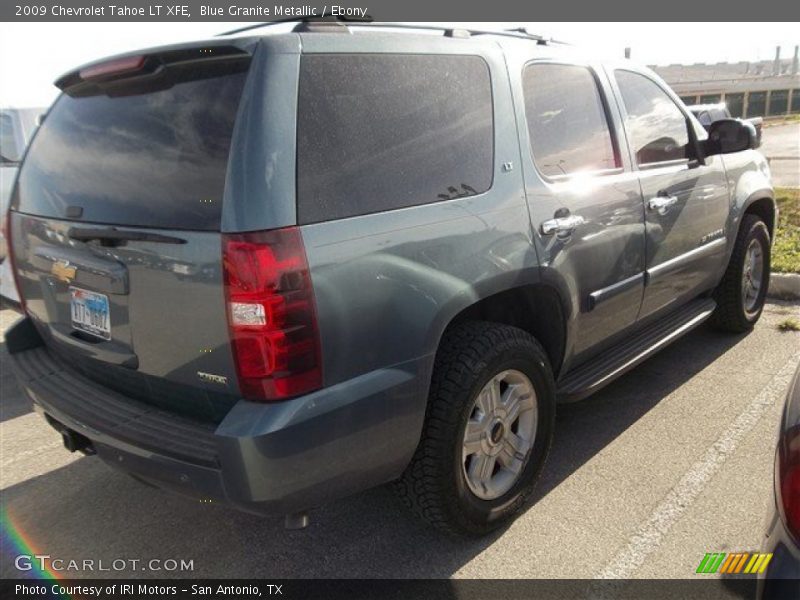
[{"x": 274, "y": 270}]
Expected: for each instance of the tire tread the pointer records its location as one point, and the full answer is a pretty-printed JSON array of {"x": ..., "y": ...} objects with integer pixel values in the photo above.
[
  {"x": 424, "y": 485},
  {"x": 729, "y": 314}
]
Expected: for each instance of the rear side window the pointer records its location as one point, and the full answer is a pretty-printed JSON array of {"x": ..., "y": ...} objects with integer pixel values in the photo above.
[
  {"x": 149, "y": 155},
  {"x": 567, "y": 121},
  {"x": 655, "y": 124},
  {"x": 381, "y": 132}
]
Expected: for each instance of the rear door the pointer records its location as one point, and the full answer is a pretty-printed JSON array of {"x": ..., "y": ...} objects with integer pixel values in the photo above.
[
  {"x": 116, "y": 230},
  {"x": 686, "y": 202},
  {"x": 585, "y": 203}
]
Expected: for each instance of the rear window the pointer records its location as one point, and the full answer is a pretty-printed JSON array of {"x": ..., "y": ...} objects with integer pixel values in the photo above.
[
  {"x": 148, "y": 157},
  {"x": 382, "y": 132}
]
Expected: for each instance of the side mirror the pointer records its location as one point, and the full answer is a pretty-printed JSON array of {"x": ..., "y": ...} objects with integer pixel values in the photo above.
[{"x": 730, "y": 135}]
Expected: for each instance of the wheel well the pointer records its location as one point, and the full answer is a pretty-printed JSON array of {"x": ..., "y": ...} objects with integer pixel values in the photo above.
[
  {"x": 536, "y": 309},
  {"x": 764, "y": 209}
]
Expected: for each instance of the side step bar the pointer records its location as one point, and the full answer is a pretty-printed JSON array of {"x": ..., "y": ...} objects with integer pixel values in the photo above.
[{"x": 589, "y": 377}]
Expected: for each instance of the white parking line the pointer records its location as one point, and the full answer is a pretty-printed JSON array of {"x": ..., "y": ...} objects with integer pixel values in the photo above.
[{"x": 649, "y": 536}]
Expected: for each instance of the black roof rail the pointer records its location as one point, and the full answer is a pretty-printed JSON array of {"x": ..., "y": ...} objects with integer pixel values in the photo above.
[
  {"x": 314, "y": 23},
  {"x": 516, "y": 32},
  {"x": 534, "y": 36},
  {"x": 303, "y": 23}
]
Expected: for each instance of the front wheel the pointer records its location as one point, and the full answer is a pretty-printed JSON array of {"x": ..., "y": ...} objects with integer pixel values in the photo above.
[
  {"x": 488, "y": 429},
  {"x": 741, "y": 294}
]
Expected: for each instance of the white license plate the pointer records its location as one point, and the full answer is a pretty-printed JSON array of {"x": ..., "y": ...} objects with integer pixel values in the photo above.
[{"x": 90, "y": 312}]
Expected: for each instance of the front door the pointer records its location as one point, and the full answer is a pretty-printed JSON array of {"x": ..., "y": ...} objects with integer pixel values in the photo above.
[{"x": 686, "y": 202}]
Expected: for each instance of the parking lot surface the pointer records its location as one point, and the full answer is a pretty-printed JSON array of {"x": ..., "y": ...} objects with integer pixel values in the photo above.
[
  {"x": 781, "y": 145},
  {"x": 669, "y": 462}
]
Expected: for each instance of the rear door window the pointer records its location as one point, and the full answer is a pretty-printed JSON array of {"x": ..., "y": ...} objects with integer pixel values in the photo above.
[
  {"x": 378, "y": 132},
  {"x": 152, "y": 156},
  {"x": 655, "y": 124},
  {"x": 567, "y": 122}
]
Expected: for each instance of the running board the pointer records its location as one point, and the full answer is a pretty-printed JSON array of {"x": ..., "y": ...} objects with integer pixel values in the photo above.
[{"x": 619, "y": 359}]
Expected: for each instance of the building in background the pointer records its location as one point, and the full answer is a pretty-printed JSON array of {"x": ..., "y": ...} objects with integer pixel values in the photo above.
[{"x": 765, "y": 88}]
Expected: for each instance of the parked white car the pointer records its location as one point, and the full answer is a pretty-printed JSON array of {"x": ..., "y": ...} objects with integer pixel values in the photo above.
[{"x": 16, "y": 129}]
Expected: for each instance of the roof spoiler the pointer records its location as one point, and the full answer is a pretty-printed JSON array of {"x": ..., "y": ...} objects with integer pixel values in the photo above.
[{"x": 111, "y": 70}]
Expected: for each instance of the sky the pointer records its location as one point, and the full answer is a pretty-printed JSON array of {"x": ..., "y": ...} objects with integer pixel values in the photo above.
[{"x": 33, "y": 55}]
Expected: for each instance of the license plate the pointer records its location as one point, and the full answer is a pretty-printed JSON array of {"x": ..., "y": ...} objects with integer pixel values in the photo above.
[{"x": 90, "y": 312}]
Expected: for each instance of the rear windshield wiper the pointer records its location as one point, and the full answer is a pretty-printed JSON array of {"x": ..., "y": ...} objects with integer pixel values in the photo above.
[{"x": 111, "y": 236}]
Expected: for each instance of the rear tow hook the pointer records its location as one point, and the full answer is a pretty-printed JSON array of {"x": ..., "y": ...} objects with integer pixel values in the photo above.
[{"x": 75, "y": 442}]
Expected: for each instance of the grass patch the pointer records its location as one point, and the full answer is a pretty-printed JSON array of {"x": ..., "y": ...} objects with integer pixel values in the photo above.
[
  {"x": 786, "y": 250},
  {"x": 790, "y": 324},
  {"x": 773, "y": 122}
]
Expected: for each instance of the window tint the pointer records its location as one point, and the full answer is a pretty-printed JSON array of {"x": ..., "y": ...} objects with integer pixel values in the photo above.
[
  {"x": 9, "y": 153},
  {"x": 566, "y": 120},
  {"x": 380, "y": 132},
  {"x": 778, "y": 102},
  {"x": 704, "y": 117},
  {"x": 756, "y": 104},
  {"x": 655, "y": 124},
  {"x": 155, "y": 156},
  {"x": 718, "y": 113}
]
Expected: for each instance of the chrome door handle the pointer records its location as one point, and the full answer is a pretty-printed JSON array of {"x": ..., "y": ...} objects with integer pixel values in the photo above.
[
  {"x": 662, "y": 203},
  {"x": 562, "y": 225}
]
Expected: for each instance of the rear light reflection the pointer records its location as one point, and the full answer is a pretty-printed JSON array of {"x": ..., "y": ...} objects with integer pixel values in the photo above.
[
  {"x": 271, "y": 314},
  {"x": 789, "y": 478},
  {"x": 118, "y": 66},
  {"x": 247, "y": 313},
  {"x": 6, "y": 224}
]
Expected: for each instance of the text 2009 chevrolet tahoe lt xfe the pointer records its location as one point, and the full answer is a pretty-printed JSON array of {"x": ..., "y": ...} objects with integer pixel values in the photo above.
[{"x": 275, "y": 270}]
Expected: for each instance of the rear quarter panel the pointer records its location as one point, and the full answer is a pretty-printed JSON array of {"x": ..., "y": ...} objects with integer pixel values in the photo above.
[{"x": 387, "y": 284}]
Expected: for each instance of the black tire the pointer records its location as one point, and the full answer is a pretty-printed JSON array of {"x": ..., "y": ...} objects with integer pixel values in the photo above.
[
  {"x": 731, "y": 314},
  {"x": 434, "y": 484}
]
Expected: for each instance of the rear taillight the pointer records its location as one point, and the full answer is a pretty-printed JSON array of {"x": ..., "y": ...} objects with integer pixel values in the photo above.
[
  {"x": 789, "y": 478},
  {"x": 271, "y": 314}
]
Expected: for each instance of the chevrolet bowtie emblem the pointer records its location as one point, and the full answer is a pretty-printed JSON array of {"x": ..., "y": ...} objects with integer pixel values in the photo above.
[{"x": 63, "y": 271}]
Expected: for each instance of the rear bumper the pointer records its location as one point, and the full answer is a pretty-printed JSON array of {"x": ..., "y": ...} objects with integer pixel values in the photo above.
[{"x": 263, "y": 458}]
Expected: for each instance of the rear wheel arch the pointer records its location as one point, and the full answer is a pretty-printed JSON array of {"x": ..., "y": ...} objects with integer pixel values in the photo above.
[{"x": 537, "y": 309}]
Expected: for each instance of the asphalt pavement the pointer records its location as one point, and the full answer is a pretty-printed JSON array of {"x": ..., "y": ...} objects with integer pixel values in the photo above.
[
  {"x": 670, "y": 462},
  {"x": 781, "y": 145}
]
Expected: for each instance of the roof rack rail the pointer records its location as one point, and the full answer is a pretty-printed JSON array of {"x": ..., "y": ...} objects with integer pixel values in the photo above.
[
  {"x": 528, "y": 33},
  {"x": 326, "y": 18},
  {"x": 518, "y": 32},
  {"x": 314, "y": 23}
]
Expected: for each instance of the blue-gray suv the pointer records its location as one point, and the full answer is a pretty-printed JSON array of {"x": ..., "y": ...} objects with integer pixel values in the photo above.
[{"x": 274, "y": 270}]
